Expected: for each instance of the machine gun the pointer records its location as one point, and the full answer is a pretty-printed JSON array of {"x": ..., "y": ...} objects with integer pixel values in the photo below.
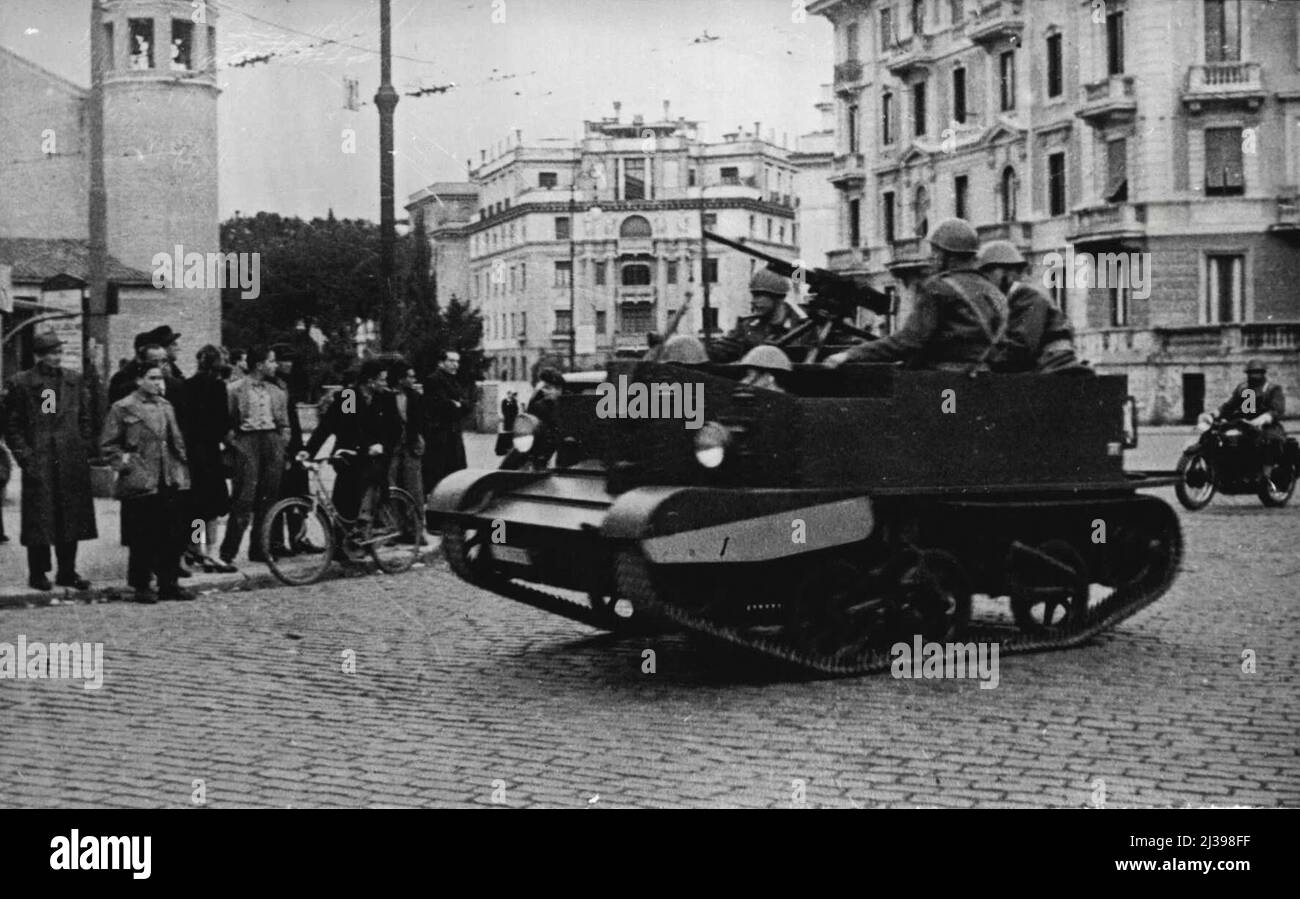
[{"x": 835, "y": 301}]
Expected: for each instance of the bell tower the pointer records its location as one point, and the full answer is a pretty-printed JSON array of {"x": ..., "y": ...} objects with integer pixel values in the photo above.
[{"x": 160, "y": 159}]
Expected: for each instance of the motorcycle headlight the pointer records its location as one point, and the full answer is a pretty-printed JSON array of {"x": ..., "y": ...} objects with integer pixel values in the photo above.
[
  {"x": 1204, "y": 422},
  {"x": 525, "y": 432},
  {"x": 711, "y": 443}
]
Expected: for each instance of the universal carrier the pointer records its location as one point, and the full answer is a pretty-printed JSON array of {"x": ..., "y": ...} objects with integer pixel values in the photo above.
[{"x": 819, "y": 527}]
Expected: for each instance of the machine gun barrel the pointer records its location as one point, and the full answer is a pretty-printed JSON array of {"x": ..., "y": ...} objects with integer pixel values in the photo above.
[{"x": 838, "y": 292}]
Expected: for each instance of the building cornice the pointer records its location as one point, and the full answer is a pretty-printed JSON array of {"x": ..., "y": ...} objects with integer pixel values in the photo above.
[{"x": 563, "y": 207}]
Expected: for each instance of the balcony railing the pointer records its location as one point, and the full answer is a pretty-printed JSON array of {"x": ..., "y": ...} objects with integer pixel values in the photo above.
[
  {"x": 1223, "y": 83},
  {"x": 1118, "y": 222},
  {"x": 847, "y": 259},
  {"x": 910, "y": 54},
  {"x": 847, "y": 73},
  {"x": 1205, "y": 341},
  {"x": 848, "y": 171},
  {"x": 997, "y": 21},
  {"x": 910, "y": 254},
  {"x": 1109, "y": 100},
  {"x": 1016, "y": 232}
]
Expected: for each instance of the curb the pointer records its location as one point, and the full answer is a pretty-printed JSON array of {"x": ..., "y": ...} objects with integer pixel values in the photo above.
[{"x": 200, "y": 585}]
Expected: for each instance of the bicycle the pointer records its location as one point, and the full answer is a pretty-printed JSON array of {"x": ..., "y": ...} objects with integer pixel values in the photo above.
[{"x": 317, "y": 532}]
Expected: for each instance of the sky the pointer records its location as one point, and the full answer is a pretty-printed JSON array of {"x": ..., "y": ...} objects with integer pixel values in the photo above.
[{"x": 542, "y": 66}]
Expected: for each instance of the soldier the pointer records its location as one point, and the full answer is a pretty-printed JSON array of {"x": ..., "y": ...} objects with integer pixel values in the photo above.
[
  {"x": 1038, "y": 335},
  {"x": 959, "y": 316},
  {"x": 48, "y": 428},
  {"x": 769, "y": 320},
  {"x": 1261, "y": 403},
  {"x": 766, "y": 367}
]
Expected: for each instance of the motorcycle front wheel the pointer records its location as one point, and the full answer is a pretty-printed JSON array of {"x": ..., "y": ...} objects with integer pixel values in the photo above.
[{"x": 1195, "y": 487}]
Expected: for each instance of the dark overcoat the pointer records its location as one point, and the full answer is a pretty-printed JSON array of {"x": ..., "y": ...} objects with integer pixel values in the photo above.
[
  {"x": 445, "y": 449},
  {"x": 50, "y": 436},
  {"x": 205, "y": 421}
]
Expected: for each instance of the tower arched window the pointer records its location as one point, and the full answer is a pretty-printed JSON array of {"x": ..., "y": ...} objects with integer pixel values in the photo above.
[
  {"x": 635, "y": 226},
  {"x": 1010, "y": 185},
  {"x": 921, "y": 212}
]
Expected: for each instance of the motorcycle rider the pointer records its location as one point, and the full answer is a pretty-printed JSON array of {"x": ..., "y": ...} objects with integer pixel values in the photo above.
[{"x": 1261, "y": 404}]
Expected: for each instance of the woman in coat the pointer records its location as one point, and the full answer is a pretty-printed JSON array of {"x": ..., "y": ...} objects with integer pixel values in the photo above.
[
  {"x": 143, "y": 443},
  {"x": 204, "y": 426}
]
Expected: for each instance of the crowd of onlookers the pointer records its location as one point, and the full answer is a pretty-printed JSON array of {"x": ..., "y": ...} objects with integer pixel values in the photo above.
[{"x": 224, "y": 443}]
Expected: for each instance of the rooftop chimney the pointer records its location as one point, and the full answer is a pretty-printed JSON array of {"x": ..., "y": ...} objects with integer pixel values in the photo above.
[
  {"x": 667, "y": 117},
  {"x": 519, "y": 137},
  {"x": 618, "y": 111},
  {"x": 482, "y": 156},
  {"x": 758, "y": 135}
]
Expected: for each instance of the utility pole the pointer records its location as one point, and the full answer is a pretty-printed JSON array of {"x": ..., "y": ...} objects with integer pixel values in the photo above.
[
  {"x": 386, "y": 101},
  {"x": 704, "y": 271},
  {"x": 573, "y": 302},
  {"x": 95, "y": 322}
]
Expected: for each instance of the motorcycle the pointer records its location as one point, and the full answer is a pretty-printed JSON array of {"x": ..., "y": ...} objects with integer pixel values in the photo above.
[{"x": 1228, "y": 458}]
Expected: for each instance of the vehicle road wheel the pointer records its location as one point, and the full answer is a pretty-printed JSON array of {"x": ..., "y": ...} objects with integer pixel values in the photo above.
[
  {"x": 1048, "y": 587},
  {"x": 397, "y": 532},
  {"x": 936, "y": 599},
  {"x": 824, "y": 617},
  {"x": 291, "y": 524},
  {"x": 1275, "y": 490},
  {"x": 1195, "y": 487}
]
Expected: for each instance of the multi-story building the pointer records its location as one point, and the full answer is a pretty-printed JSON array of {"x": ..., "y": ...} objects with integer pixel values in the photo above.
[
  {"x": 1162, "y": 137},
  {"x": 443, "y": 209},
  {"x": 160, "y": 179},
  {"x": 609, "y": 229},
  {"x": 817, "y": 209}
]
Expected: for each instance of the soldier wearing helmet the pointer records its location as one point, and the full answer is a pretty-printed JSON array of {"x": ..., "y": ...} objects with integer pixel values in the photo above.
[
  {"x": 683, "y": 349},
  {"x": 765, "y": 367},
  {"x": 1038, "y": 335},
  {"x": 958, "y": 318},
  {"x": 769, "y": 320},
  {"x": 1260, "y": 403}
]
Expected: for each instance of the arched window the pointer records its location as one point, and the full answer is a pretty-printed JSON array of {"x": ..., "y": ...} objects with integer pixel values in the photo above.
[
  {"x": 1009, "y": 188},
  {"x": 921, "y": 211},
  {"x": 636, "y": 274},
  {"x": 634, "y": 226}
]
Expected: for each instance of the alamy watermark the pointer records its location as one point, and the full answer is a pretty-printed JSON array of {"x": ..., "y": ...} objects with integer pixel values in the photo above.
[
  {"x": 946, "y": 660},
  {"x": 1080, "y": 270},
  {"x": 209, "y": 270},
  {"x": 39, "y": 661},
  {"x": 655, "y": 399}
]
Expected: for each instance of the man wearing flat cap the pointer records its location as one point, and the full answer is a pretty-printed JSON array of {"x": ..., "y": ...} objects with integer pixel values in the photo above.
[{"x": 49, "y": 430}]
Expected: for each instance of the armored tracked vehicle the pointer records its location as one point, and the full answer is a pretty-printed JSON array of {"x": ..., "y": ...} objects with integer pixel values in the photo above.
[{"x": 865, "y": 506}]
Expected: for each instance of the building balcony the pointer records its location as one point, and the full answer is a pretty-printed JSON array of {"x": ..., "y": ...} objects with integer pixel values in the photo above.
[
  {"x": 634, "y": 295},
  {"x": 1108, "y": 224},
  {"x": 910, "y": 257},
  {"x": 1223, "y": 84},
  {"x": 634, "y": 341},
  {"x": 1109, "y": 102},
  {"x": 636, "y": 246},
  {"x": 910, "y": 55},
  {"x": 997, "y": 22},
  {"x": 849, "y": 259},
  {"x": 848, "y": 76},
  {"x": 1019, "y": 233},
  {"x": 1192, "y": 342},
  {"x": 1287, "y": 222},
  {"x": 849, "y": 172}
]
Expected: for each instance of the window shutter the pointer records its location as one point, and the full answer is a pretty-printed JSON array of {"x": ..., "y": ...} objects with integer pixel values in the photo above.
[
  {"x": 1116, "y": 168},
  {"x": 1214, "y": 161},
  {"x": 1230, "y": 152}
]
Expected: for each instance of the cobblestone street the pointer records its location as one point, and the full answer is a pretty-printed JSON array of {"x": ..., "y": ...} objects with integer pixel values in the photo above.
[{"x": 463, "y": 698}]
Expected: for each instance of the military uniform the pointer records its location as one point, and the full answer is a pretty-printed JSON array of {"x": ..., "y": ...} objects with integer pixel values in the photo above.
[
  {"x": 958, "y": 319},
  {"x": 1268, "y": 397},
  {"x": 1036, "y": 329},
  {"x": 751, "y": 331}
]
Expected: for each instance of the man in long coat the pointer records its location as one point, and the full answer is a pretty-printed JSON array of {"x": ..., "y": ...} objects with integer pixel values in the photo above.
[
  {"x": 49, "y": 431},
  {"x": 446, "y": 406}
]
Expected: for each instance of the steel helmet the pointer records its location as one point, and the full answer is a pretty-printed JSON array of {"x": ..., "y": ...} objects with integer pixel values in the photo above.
[
  {"x": 1256, "y": 365},
  {"x": 684, "y": 350},
  {"x": 999, "y": 252},
  {"x": 767, "y": 281},
  {"x": 955, "y": 236},
  {"x": 768, "y": 358}
]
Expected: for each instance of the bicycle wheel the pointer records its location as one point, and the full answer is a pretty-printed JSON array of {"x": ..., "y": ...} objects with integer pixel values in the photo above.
[
  {"x": 298, "y": 541},
  {"x": 397, "y": 534}
]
